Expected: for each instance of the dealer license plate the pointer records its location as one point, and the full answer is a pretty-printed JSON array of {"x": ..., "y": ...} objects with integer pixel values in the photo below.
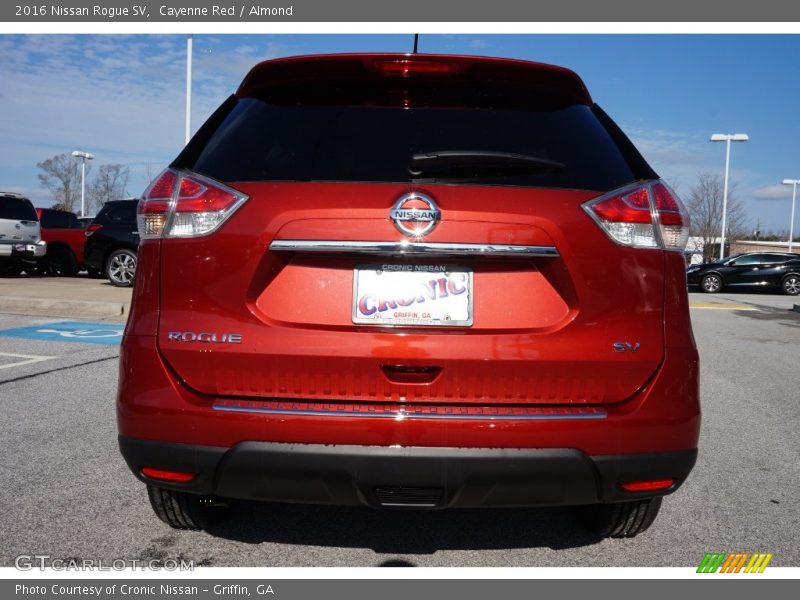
[{"x": 423, "y": 295}]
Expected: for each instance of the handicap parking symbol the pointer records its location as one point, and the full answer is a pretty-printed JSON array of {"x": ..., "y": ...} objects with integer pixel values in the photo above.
[{"x": 70, "y": 331}]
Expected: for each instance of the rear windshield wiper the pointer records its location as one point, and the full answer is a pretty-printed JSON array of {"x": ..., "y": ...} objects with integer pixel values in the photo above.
[{"x": 478, "y": 163}]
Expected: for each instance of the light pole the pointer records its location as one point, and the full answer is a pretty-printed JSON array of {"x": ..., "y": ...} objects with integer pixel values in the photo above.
[
  {"x": 793, "y": 183},
  {"x": 727, "y": 138},
  {"x": 188, "y": 88},
  {"x": 84, "y": 156}
]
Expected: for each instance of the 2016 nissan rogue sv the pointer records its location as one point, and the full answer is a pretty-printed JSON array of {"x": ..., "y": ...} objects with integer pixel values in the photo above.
[{"x": 410, "y": 281}]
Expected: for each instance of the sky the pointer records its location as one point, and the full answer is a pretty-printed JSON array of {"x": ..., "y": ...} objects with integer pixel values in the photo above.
[{"x": 122, "y": 98}]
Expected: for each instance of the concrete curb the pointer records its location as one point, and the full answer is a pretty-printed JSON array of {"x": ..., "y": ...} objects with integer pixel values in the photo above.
[{"x": 55, "y": 307}]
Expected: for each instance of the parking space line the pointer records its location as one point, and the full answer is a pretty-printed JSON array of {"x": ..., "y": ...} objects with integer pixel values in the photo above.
[
  {"x": 28, "y": 359},
  {"x": 714, "y": 306}
]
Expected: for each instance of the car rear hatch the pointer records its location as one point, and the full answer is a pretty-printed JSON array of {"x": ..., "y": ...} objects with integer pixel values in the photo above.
[
  {"x": 308, "y": 290},
  {"x": 19, "y": 223}
]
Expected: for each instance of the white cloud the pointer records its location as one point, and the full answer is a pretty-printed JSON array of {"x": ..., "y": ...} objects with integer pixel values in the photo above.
[
  {"x": 773, "y": 192},
  {"x": 479, "y": 44},
  {"x": 119, "y": 97},
  {"x": 676, "y": 156},
  {"x": 669, "y": 148}
]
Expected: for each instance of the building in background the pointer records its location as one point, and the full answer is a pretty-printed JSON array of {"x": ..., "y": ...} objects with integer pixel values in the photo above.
[{"x": 740, "y": 246}]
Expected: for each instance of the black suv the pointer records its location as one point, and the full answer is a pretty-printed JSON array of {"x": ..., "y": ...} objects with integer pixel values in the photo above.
[
  {"x": 112, "y": 241},
  {"x": 751, "y": 270}
]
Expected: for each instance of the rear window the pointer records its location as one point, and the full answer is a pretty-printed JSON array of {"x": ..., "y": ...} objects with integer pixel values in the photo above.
[
  {"x": 776, "y": 258},
  {"x": 17, "y": 209},
  {"x": 57, "y": 219},
  {"x": 255, "y": 140},
  {"x": 124, "y": 212}
]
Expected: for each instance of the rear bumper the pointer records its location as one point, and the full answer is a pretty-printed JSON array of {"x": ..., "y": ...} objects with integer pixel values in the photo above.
[
  {"x": 154, "y": 404},
  {"x": 343, "y": 456},
  {"x": 420, "y": 477},
  {"x": 23, "y": 251},
  {"x": 92, "y": 254}
]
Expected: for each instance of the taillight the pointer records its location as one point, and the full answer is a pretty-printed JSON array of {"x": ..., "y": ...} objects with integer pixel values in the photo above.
[
  {"x": 92, "y": 228},
  {"x": 646, "y": 215},
  {"x": 184, "y": 204},
  {"x": 673, "y": 219}
]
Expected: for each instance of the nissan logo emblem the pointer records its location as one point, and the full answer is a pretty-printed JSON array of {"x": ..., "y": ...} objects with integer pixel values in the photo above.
[{"x": 415, "y": 214}]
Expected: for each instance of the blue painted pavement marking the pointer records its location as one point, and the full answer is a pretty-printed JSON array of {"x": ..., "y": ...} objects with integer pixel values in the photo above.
[{"x": 70, "y": 331}]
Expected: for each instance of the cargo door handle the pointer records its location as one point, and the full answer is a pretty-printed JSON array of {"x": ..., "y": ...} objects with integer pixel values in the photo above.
[{"x": 411, "y": 374}]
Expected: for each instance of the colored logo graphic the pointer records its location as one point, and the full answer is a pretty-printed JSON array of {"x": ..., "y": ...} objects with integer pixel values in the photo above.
[
  {"x": 735, "y": 562},
  {"x": 70, "y": 331}
]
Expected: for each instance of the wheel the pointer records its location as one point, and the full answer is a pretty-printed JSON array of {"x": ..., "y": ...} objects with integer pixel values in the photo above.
[
  {"x": 711, "y": 284},
  {"x": 121, "y": 267},
  {"x": 620, "y": 519},
  {"x": 61, "y": 263},
  {"x": 181, "y": 510},
  {"x": 10, "y": 269},
  {"x": 37, "y": 269},
  {"x": 791, "y": 285}
]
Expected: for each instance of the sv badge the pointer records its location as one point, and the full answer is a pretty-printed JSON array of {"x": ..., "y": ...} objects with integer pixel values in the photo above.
[{"x": 626, "y": 346}]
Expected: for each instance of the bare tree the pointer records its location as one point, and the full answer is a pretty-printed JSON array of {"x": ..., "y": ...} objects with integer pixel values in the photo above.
[
  {"x": 62, "y": 177},
  {"x": 110, "y": 183},
  {"x": 705, "y": 209}
]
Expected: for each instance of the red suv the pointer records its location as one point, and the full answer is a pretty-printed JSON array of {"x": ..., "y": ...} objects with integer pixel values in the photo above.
[{"x": 410, "y": 281}]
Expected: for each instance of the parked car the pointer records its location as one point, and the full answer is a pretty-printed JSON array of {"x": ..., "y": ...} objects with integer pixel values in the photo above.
[
  {"x": 112, "y": 241},
  {"x": 20, "y": 234},
  {"x": 410, "y": 281},
  {"x": 84, "y": 222},
  {"x": 752, "y": 270},
  {"x": 64, "y": 236}
]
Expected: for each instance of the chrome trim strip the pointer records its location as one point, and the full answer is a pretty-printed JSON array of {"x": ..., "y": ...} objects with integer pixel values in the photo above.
[
  {"x": 402, "y": 415},
  {"x": 412, "y": 248},
  {"x": 409, "y": 504}
]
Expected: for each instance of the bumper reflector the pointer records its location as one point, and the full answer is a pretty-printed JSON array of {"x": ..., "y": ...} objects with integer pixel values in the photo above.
[
  {"x": 176, "y": 476},
  {"x": 647, "y": 486}
]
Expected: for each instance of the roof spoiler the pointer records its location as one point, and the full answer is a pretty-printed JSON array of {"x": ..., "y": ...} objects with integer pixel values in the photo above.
[{"x": 301, "y": 69}]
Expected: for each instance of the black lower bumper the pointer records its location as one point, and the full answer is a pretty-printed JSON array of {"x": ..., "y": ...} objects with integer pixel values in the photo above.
[{"x": 413, "y": 477}]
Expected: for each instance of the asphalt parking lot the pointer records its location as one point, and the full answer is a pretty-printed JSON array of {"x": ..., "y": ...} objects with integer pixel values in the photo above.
[{"x": 68, "y": 494}]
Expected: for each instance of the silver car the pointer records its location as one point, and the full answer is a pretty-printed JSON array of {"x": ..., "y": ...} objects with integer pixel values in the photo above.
[{"x": 20, "y": 234}]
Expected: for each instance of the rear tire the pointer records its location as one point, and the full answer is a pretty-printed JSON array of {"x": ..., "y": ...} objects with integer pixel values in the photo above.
[
  {"x": 11, "y": 269},
  {"x": 791, "y": 285},
  {"x": 711, "y": 284},
  {"x": 121, "y": 267},
  {"x": 38, "y": 269},
  {"x": 180, "y": 510},
  {"x": 620, "y": 519},
  {"x": 62, "y": 263}
]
